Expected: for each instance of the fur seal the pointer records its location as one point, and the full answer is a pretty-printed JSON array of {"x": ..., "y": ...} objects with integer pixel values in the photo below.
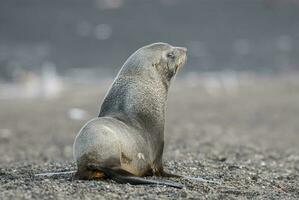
[{"x": 125, "y": 142}]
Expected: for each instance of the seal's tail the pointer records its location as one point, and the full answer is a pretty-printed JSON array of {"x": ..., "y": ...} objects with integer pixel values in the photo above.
[{"x": 122, "y": 176}]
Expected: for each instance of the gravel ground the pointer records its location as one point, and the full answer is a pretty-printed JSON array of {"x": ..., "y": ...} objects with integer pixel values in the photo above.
[{"x": 243, "y": 135}]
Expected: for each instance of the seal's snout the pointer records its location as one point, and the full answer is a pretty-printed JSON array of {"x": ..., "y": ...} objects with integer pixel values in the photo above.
[
  {"x": 183, "y": 54},
  {"x": 182, "y": 49}
]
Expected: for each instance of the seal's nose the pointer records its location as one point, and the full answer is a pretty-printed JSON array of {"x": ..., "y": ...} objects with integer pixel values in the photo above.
[{"x": 184, "y": 49}]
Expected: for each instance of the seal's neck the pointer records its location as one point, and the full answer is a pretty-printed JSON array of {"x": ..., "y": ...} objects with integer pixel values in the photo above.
[{"x": 140, "y": 102}]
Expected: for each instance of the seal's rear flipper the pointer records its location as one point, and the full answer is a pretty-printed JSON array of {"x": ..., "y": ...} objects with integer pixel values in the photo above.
[
  {"x": 122, "y": 176},
  {"x": 167, "y": 174},
  {"x": 200, "y": 179},
  {"x": 135, "y": 180},
  {"x": 56, "y": 174}
]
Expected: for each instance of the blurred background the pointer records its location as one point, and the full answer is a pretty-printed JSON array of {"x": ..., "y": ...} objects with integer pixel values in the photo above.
[
  {"x": 92, "y": 38},
  {"x": 58, "y": 57}
]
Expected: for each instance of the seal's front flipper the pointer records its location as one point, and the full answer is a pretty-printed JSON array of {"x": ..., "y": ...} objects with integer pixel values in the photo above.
[{"x": 122, "y": 176}]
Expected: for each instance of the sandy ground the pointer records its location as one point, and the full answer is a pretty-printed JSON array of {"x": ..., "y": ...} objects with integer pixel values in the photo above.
[{"x": 242, "y": 134}]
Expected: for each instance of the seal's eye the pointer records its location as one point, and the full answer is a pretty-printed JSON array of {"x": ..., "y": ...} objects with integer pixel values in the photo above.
[{"x": 171, "y": 55}]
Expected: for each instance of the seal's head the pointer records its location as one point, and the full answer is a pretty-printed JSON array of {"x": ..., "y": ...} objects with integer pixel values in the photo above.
[
  {"x": 156, "y": 60},
  {"x": 168, "y": 59}
]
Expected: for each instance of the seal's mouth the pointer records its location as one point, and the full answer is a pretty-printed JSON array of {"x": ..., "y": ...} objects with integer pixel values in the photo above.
[{"x": 179, "y": 66}]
